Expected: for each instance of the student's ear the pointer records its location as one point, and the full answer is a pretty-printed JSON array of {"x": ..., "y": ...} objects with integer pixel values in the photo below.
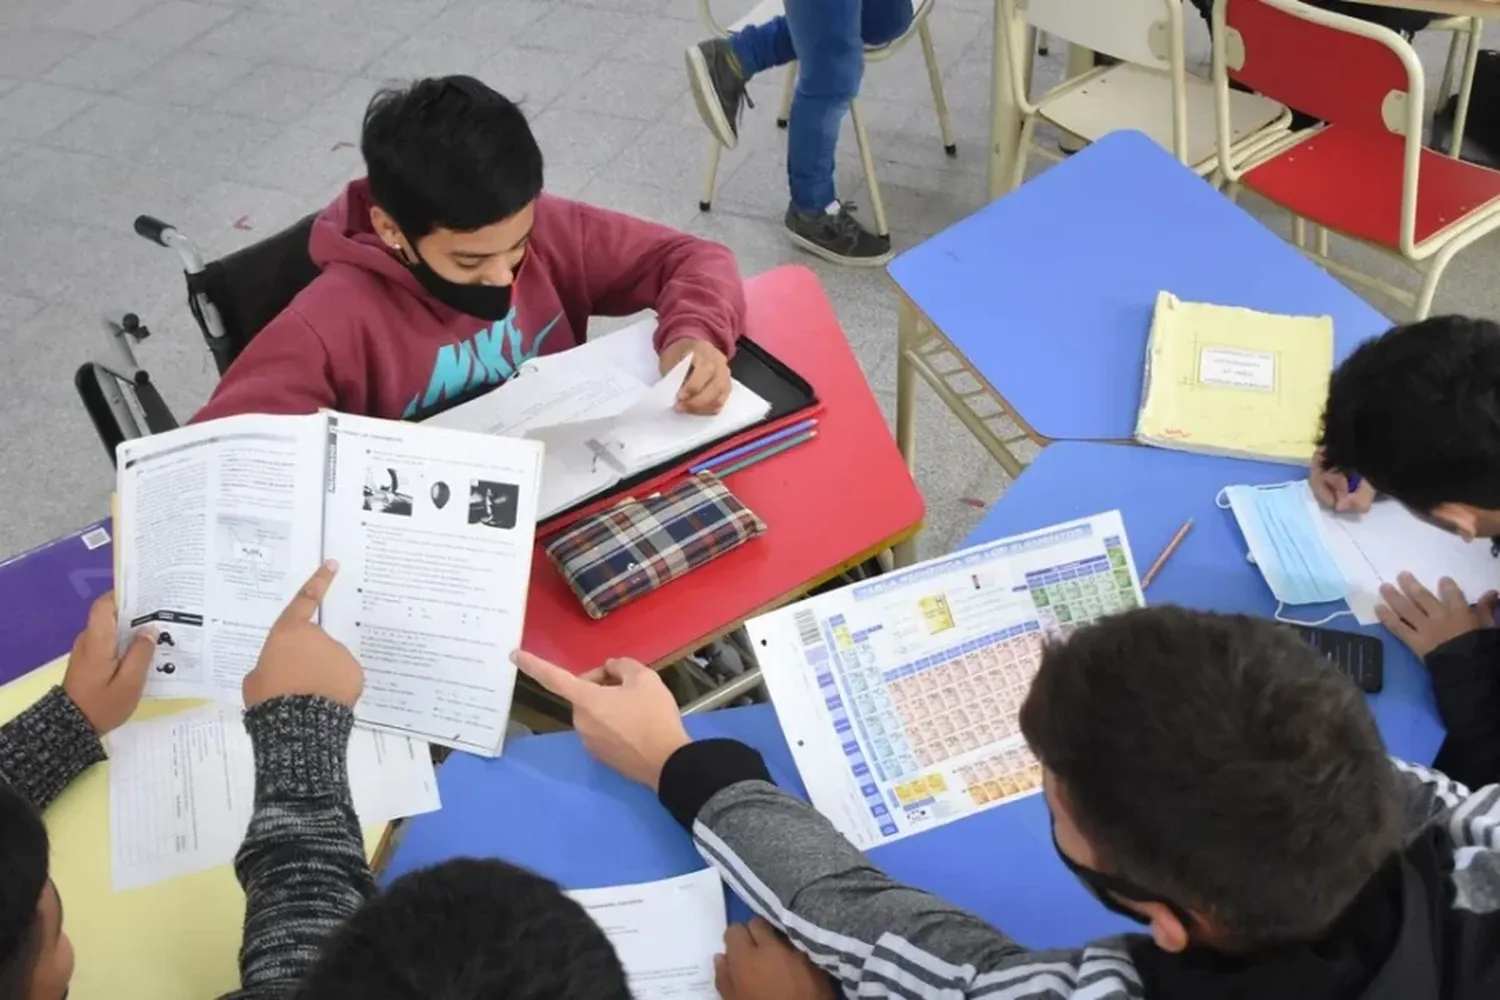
[
  {"x": 1166, "y": 930},
  {"x": 385, "y": 227},
  {"x": 1460, "y": 517}
]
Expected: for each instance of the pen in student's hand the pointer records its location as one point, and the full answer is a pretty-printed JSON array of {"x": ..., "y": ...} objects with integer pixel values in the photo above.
[
  {"x": 1166, "y": 553},
  {"x": 761, "y": 456},
  {"x": 749, "y": 446},
  {"x": 1353, "y": 479}
]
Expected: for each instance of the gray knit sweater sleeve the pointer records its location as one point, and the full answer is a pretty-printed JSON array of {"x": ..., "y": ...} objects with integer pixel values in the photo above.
[
  {"x": 302, "y": 863},
  {"x": 45, "y": 747}
]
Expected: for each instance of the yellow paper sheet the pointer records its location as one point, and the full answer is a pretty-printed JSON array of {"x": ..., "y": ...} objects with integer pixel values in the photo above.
[
  {"x": 177, "y": 940},
  {"x": 1232, "y": 381}
]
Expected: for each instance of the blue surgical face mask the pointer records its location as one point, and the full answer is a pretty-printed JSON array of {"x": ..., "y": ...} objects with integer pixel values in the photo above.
[{"x": 1286, "y": 544}]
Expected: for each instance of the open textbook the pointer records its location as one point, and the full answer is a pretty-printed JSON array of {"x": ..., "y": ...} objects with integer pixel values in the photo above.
[
  {"x": 665, "y": 933},
  {"x": 605, "y": 413},
  {"x": 899, "y": 696},
  {"x": 182, "y": 788},
  {"x": 220, "y": 524}
]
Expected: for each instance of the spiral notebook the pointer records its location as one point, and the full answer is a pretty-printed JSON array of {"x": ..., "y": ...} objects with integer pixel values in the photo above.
[{"x": 1225, "y": 380}]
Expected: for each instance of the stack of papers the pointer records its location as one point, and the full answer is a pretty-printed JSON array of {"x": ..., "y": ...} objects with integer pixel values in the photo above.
[
  {"x": 604, "y": 413},
  {"x": 1223, "y": 380},
  {"x": 182, "y": 789}
]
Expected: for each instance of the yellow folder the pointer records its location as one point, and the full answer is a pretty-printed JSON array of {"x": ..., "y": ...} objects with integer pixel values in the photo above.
[
  {"x": 1224, "y": 380},
  {"x": 176, "y": 940}
]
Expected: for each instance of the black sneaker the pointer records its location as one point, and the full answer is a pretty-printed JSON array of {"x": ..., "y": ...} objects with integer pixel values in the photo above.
[
  {"x": 838, "y": 236},
  {"x": 718, "y": 88}
]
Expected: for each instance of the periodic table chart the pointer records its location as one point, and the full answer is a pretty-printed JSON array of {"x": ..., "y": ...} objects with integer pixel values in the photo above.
[{"x": 899, "y": 696}]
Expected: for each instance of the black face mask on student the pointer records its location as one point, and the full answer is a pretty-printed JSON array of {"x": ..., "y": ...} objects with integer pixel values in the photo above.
[
  {"x": 491, "y": 302},
  {"x": 1110, "y": 889}
]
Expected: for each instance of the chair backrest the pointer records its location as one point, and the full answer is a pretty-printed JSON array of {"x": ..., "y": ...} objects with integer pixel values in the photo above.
[
  {"x": 1336, "y": 68},
  {"x": 1138, "y": 31},
  {"x": 252, "y": 285}
]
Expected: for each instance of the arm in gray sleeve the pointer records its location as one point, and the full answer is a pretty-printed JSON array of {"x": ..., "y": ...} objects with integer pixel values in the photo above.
[{"x": 876, "y": 937}]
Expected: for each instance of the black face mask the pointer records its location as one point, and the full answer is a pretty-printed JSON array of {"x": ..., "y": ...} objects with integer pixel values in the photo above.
[
  {"x": 1110, "y": 889},
  {"x": 491, "y": 302}
]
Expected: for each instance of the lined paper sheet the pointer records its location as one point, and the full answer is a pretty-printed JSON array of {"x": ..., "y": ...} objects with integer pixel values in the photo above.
[
  {"x": 182, "y": 788},
  {"x": 1374, "y": 548}
]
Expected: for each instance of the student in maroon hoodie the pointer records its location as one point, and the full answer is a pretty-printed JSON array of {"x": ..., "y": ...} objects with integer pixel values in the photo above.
[{"x": 447, "y": 268}]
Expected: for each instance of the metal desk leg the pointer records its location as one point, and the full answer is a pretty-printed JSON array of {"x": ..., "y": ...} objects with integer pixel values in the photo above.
[
  {"x": 725, "y": 693},
  {"x": 1005, "y": 115},
  {"x": 908, "y": 337}
]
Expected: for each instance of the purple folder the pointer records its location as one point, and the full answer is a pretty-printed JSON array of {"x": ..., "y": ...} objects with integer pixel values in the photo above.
[{"x": 45, "y": 596}]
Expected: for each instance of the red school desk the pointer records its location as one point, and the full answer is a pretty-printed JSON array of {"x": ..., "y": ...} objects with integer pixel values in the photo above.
[{"x": 828, "y": 505}]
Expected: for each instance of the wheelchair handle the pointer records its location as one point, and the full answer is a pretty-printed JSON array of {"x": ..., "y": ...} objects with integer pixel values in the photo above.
[
  {"x": 158, "y": 415},
  {"x": 151, "y": 228}
]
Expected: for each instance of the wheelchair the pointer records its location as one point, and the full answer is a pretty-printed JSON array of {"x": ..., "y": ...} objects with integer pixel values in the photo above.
[{"x": 232, "y": 299}]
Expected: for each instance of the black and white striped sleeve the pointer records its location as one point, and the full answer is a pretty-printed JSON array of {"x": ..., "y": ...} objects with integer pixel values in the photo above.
[{"x": 874, "y": 936}]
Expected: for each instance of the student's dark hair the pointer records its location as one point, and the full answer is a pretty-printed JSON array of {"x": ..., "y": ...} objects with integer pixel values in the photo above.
[
  {"x": 1220, "y": 763},
  {"x": 449, "y": 153},
  {"x": 23, "y": 876},
  {"x": 468, "y": 929},
  {"x": 1417, "y": 412}
]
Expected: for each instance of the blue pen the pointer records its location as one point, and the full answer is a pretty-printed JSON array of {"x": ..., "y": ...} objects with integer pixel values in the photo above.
[
  {"x": 758, "y": 443},
  {"x": 1354, "y": 480}
]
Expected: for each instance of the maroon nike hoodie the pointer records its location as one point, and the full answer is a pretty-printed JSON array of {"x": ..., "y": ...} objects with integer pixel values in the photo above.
[{"x": 366, "y": 338}]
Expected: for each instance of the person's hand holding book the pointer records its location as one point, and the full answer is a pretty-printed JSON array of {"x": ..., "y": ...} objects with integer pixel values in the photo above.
[{"x": 105, "y": 686}]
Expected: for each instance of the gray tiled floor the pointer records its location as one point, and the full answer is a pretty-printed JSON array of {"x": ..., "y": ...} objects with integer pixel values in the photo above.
[{"x": 235, "y": 117}]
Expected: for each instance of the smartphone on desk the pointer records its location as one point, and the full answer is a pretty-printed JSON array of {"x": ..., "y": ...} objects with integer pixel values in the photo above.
[{"x": 1359, "y": 657}]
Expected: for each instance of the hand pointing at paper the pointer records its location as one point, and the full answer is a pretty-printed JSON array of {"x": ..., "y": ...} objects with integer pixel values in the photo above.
[
  {"x": 624, "y": 714},
  {"x": 706, "y": 389}
]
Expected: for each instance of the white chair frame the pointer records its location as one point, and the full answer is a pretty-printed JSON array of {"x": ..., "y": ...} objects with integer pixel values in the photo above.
[
  {"x": 1430, "y": 258},
  {"x": 921, "y": 11},
  {"x": 1138, "y": 52}
]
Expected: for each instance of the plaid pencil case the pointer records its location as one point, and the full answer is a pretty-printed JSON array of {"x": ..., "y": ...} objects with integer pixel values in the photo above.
[{"x": 635, "y": 547}]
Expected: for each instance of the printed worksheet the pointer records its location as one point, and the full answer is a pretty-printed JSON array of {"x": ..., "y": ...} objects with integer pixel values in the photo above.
[
  {"x": 666, "y": 933},
  {"x": 604, "y": 412},
  {"x": 182, "y": 789},
  {"x": 899, "y": 695},
  {"x": 1376, "y": 547}
]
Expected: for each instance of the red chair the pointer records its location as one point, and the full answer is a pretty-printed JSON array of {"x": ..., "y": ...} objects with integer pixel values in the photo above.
[{"x": 1364, "y": 173}]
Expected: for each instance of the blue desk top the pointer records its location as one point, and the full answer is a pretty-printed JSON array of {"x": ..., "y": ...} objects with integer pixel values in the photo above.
[
  {"x": 1060, "y": 278},
  {"x": 1156, "y": 490},
  {"x": 547, "y": 806}
]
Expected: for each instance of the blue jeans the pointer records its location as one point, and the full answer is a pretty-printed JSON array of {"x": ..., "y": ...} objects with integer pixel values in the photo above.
[{"x": 827, "y": 39}]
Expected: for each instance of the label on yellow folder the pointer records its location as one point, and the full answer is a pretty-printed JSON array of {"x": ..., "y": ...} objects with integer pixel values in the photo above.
[{"x": 1225, "y": 380}]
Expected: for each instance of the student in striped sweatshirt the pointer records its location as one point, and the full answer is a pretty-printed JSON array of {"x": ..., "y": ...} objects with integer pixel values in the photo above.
[{"x": 1209, "y": 776}]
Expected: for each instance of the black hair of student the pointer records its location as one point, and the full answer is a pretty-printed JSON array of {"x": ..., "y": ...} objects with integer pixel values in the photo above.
[
  {"x": 1220, "y": 763},
  {"x": 449, "y": 153},
  {"x": 23, "y": 876},
  {"x": 468, "y": 929},
  {"x": 1416, "y": 411}
]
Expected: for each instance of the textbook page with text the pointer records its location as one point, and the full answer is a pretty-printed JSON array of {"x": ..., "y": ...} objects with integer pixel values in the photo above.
[{"x": 221, "y": 523}]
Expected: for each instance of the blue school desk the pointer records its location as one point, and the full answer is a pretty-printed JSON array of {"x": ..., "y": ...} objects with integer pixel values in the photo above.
[
  {"x": 1045, "y": 297},
  {"x": 1156, "y": 491},
  {"x": 546, "y": 805}
]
